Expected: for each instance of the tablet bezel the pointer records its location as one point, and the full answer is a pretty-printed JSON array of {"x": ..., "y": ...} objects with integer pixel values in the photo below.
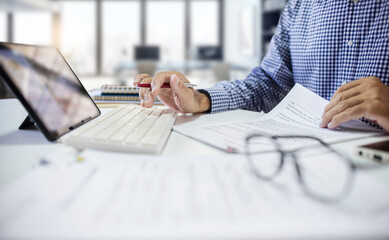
[{"x": 35, "y": 117}]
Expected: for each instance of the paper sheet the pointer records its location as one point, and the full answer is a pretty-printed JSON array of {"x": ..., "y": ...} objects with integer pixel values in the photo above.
[
  {"x": 122, "y": 196},
  {"x": 299, "y": 113}
]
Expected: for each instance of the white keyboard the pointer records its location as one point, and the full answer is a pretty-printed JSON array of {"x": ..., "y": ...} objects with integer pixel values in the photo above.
[{"x": 128, "y": 128}]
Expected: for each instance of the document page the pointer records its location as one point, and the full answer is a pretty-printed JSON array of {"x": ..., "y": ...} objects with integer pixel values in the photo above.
[
  {"x": 124, "y": 196},
  {"x": 299, "y": 113}
]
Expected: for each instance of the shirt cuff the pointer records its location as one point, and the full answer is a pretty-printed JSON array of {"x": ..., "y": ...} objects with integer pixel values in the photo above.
[{"x": 219, "y": 98}]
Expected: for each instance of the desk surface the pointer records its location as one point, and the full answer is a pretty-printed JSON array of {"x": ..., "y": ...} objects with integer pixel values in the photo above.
[{"x": 21, "y": 150}]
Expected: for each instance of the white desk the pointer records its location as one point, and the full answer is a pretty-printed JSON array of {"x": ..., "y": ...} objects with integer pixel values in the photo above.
[{"x": 20, "y": 150}]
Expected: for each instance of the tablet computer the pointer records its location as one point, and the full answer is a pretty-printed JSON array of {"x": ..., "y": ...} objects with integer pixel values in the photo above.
[{"x": 43, "y": 81}]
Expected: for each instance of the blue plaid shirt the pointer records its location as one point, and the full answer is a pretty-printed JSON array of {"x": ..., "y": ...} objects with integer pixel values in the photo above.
[{"x": 320, "y": 44}]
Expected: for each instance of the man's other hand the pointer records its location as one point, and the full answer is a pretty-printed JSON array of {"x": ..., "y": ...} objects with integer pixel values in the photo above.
[{"x": 366, "y": 97}]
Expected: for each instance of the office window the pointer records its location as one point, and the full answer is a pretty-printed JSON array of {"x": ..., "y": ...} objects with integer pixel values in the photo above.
[
  {"x": 165, "y": 28},
  {"x": 33, "y": 27},
  {"x": 3, "y": 27},
  {"x": 78, "y": 35},
  {"x": 204, "y": 18},
  {"x": 121, "y": 33}
]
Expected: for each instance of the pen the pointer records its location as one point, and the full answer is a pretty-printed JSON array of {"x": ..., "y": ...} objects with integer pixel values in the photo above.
[{"x": 165, "y": 85}]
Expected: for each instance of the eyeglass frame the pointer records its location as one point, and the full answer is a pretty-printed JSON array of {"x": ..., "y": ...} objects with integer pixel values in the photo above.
[{"x": 353, "y": 167}]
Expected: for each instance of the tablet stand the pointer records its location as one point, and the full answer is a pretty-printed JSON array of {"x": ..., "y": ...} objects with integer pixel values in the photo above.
[{"x": 28, "y": 124}]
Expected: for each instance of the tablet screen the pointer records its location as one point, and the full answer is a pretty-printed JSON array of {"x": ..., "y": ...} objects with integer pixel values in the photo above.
[{"x": 43, "y": 80}]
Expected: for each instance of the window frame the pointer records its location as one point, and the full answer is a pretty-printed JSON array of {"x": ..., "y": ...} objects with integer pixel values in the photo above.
[
  {"x": 102, "y": 29},
  {"x": 143, "y": 31}
]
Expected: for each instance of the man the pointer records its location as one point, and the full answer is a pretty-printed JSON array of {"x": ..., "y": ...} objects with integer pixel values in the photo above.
[{"x": 339, "y": 49}]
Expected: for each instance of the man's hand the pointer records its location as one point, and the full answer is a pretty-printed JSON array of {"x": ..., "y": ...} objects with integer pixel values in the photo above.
[
  {"x": 367, "y": 97},
  {"x": 178, "y": 97}
]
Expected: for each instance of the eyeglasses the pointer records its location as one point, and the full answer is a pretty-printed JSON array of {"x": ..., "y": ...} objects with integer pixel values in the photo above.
[{"x": 328, "y": 178}]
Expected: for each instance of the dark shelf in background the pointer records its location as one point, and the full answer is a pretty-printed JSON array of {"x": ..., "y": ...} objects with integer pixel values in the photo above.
[
  {"x": 269, "y": 33},
  {"x": 270, "y": 19},
  {"x": 273, "y": 11}
]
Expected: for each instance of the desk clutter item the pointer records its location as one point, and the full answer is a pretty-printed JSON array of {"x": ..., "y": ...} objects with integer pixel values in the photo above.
[
  {"x": 128, "y": 128},
  {"x": 117, "y": 94}
]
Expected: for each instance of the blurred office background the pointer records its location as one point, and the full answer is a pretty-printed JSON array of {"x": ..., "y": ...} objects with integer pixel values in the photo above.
[{"x": 110, "y": 41}]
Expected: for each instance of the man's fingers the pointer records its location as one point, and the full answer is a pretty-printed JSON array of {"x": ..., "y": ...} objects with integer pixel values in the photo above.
[
  {"x": 144, "y": 93},
  {"x": 340, "y": 107},
  {"x": 161, "y": 78},
  {"x": 355, "y": 112},
  {"x": 344, "y": 92},
  {"x": 147, "y": 99},
  {"x": 140, "y": 77},
  {"x": 349, "y": 86},
  {"x": 172, "y": 97},
  {"x": 158, "y": 80},
  {"x": 339, "y": 97}
]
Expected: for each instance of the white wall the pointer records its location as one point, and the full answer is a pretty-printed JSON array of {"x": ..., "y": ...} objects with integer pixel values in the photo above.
[{"x": 232, "y": 22}]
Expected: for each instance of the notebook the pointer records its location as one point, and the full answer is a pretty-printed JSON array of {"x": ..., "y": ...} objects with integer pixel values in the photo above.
[
  {"x": 117, "y": 94},
  {"x": 118, "y": 89}
]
